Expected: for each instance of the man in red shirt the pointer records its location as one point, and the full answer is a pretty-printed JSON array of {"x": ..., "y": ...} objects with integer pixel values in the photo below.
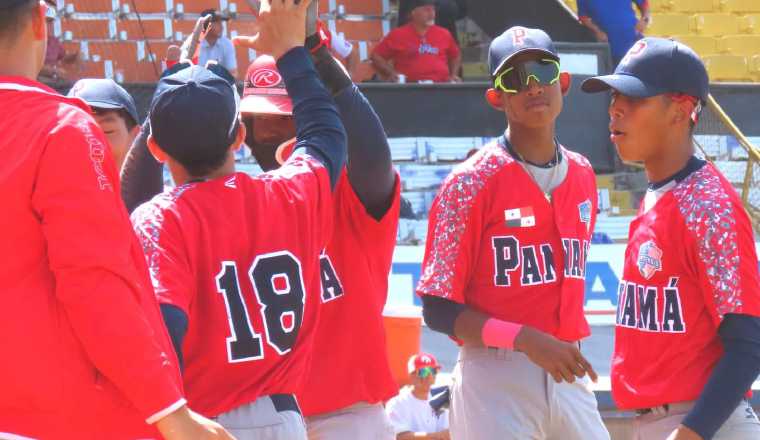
[
  {"x": 233, "y": 258},
  {"x": 84, "y": 353},
  {"x": 687, "y": 335},
  {"x": 505, "y": 261},
  {"x": 419, "y": 50}
]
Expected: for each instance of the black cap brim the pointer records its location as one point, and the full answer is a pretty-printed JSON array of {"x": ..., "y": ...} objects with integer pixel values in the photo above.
[
  {"x": 547, "y": 53},
  {"x": 626, "y": 84}
]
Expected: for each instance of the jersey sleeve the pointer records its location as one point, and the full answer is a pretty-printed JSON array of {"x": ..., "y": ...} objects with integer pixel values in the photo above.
[
  {"x": 163, "y": 244},
  {"x": 583, "y": 9},
  {"x": 724, "y": 257},
  {"x": 454, "y": 228},
  {"x": 378, "y": 235},
  {"x": 301, "y": 187},
  {"x": 91, "y": 250},
  {"x": 453, "y": 49}
]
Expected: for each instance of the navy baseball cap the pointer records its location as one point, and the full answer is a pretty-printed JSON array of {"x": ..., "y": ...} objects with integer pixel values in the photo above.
[
  {"x": 655, "y": 66},
  {"x": 194, "y": 106},
  {"x": 104, "y": 94},
  {"x": 517, "y": 40}
]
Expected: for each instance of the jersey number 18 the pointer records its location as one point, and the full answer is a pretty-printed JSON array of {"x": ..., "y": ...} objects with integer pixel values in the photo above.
[{"x": 278, "y": 285}]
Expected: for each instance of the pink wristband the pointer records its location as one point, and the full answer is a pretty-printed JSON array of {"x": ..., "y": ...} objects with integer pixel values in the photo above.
[{"x": 498, "y": 333}]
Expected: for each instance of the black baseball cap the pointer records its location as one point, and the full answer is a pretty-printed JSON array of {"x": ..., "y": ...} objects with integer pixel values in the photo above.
[
  {"x": 215, "y": 16},
  {"x": 104, "y": 94},
  {"x": 517, "y": 40},
  {"x": 655, "y": 66},
  {"x": 194, "y": 107}
]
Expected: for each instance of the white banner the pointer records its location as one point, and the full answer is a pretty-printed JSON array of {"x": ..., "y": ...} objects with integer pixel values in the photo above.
[{"x": 604, "y": 268}]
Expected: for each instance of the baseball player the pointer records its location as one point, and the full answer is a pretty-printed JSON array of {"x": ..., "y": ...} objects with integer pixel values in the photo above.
[
  {"x": 687, "y": 338},
  {"x": 84, "y": 353},
  {"x": 505, "y": 259},
  {"x": 349, "y": 376},
  {"x": 231, "y": 256},
  {"x": 114, "y": 111}
]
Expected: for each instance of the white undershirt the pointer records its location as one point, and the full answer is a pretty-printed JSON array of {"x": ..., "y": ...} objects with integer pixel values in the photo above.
[{"x": 410, "y": 414}]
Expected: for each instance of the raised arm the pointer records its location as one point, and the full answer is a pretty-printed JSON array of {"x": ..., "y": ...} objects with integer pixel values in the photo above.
[{"x": 369, "y": 165}]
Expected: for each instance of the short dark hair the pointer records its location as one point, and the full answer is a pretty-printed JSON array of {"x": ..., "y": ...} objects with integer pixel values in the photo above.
[
  {"x": 13, "y": 19},
  {"x": 120, "y": 112},
  {"x": 201, "y": 160}
]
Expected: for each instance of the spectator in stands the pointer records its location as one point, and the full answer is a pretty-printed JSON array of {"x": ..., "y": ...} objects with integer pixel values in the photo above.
[
  {"x": 215, "y": 46},
  {"x": 419, "y": 50},
  {"x": 410, "y": 412},
  {"x": 615, "y": 21},
  {"x": 57, "y": 59},
  {"x": 447, "y": 12},
  {"x": 406, "y": 211},
  {"x": 114, "y": 111}
]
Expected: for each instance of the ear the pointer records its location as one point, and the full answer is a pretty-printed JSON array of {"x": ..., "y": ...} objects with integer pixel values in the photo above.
[
  {"x": 156, "y": 151},
  {"x": 565, "y": 79},
  {"x": 493, "y": 97},
  {"x": 39, "y": 23},
  {"x": 240, "y": 138}
]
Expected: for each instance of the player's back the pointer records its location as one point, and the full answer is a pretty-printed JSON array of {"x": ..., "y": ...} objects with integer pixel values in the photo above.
[{"x": 235, "y": 253}]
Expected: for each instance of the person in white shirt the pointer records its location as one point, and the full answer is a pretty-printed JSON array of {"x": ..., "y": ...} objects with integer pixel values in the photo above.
[
  {"x": 410, "y": 412},
  {"x": 215, "y": 46}
]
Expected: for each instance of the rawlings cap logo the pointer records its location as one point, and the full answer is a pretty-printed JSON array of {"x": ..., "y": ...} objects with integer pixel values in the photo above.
[
  {"x": 265, "y": 78},
  {"x": 650, "y": 259}
]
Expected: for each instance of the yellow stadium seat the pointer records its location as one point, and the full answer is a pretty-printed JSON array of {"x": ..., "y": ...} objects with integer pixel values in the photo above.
[
  {"x": 739, "y": 6},
  {"x": 728, "y": 68},
  {"x": 692, "y": 5},
  {"x": 748, "y": 45},
  {"x": 750, "y": 24},
  {"x": 701, "y": 44},
  {"x": 665, "y": 25},
  {"x": 715, "y": 24}
]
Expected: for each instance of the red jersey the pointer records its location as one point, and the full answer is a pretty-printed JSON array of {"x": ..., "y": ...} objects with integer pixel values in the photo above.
[
  {"x": 84, "y": 350},
  {"x": 350, "y": 359},
  {"x": 511, "y": 253},
  {"x": 235, "y": 253},
  {"x": 690, "y": 260},
  {"x": 420, "y": 57}
]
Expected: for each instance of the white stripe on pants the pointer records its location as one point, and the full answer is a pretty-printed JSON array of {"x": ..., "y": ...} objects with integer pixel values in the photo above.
[
  {"x": 501, "y": 394},
  {"x": 259, "y": 420}
]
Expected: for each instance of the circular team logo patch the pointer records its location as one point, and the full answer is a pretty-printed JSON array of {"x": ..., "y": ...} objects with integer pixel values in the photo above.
[
  {"x": 650, "y": 259},
  {"x": 265, "y": 78}
]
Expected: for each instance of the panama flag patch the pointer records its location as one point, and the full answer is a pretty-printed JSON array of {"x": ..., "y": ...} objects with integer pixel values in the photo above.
[{"x": 520, "y": 217}]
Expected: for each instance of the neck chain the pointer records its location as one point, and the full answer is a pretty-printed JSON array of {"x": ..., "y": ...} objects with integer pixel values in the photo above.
[{"x": 526, "y": 166}]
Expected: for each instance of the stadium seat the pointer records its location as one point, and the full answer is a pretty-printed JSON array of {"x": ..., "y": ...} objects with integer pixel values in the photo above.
[
  {"x": 101, "y": 29},
  {"x": 404, "y": 149},
  {"x": 423, "y": 177},
  {"x": 367, "y": 30},
  {"x": 750, "y": 24},
  {"x": 89, "y": 6},
  {"x": 147, "y": 6},
  {"x": 365, "y": 7},
  {"x": 666, "y": 25},
  {"x": 701, "y": 44},
  {"x": 739, "y": 6},
  {"x": 198, "y": 6},
  {"x": 149, "y": 29},
  {"x": 728, "y": 68},
  {"x": 688, "y": 5},
  {"x": 450, "y": 149},
  {"x": 365, "y": 71},
  {"x": 733, "y": 170},
  {"x": 242, "y": 27},
  {"x": 91, "y": 69},
  {"x": 715, "y": 24},
  {"x": 739, "y": 45},
  {"x": 714, "y": 146}
]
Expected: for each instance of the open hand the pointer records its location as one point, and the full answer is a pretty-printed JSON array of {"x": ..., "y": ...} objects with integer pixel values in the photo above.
[
  {"x": 281, "y": 27},
  {"x": 563, "y": 360}
]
